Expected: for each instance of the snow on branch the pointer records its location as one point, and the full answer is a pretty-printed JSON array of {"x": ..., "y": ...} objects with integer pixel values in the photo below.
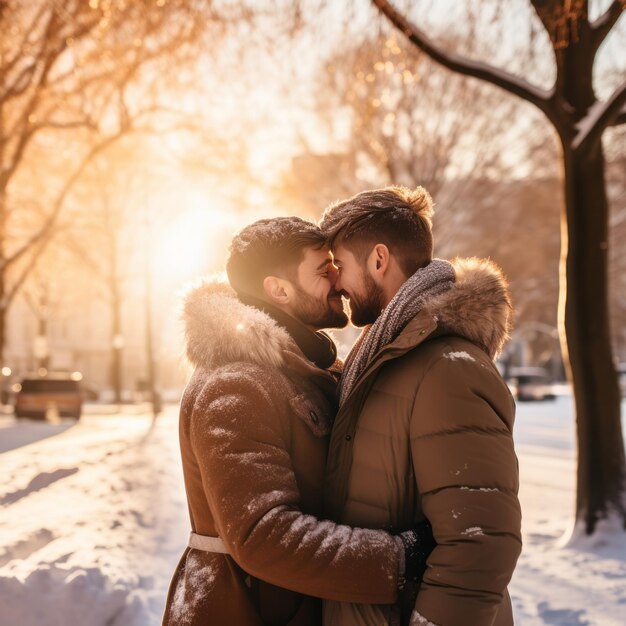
[
  {"x": 457, "y": 63},
  {"x": 599, "y": 116}
]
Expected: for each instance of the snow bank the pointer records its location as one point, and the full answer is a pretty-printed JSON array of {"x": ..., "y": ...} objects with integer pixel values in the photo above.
[
  {"x": 93, "y": 522},
  {"x": 608, "y": 538}
]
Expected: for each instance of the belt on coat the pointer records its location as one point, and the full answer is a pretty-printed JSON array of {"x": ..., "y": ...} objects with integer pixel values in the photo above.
[{"x": 206, "y": 543}]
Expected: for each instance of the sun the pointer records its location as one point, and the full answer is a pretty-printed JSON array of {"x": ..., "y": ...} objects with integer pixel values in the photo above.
[{"x": 190, "y": 244}]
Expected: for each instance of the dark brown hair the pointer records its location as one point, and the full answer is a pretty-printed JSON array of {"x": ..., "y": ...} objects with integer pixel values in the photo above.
[
  {"x": 398, "y": 217},
  {"x": 269, "y": 247}
]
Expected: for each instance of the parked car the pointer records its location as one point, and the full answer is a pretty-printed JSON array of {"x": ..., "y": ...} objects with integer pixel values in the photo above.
[
  {"x": 37, "y": 398},
  {"x": 531, "y": 383}
]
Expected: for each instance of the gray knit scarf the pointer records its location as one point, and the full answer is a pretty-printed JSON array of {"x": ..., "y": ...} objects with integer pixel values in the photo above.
[{"x": 438, "y": 276}]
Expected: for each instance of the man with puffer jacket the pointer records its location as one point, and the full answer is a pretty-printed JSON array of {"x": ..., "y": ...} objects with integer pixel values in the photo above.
[
  {"x": 425, "y": 421},
  {"x": 254, "y": 428}
]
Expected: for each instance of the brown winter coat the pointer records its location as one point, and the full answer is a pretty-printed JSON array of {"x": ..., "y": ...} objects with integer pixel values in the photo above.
[
  {"x": 254, "y": 427},
  {"x": 427, "y": 431}
]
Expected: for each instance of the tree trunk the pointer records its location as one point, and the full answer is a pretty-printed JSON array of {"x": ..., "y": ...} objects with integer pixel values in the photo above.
[
  {"x": 601, "y": 464},
  {"x": 43, "y": 361},
  {"x": 117, "y": 340},
  {"x": 155, "y": 398},
  {"x": 116, "y": 347},
  {"x": 584, "y": 314},
  {"x": 584, "y": 306},
  {"x": 2, "y": 318},
  {"x": 3, "y": 315},
  {"x": 3, "y": 269}
]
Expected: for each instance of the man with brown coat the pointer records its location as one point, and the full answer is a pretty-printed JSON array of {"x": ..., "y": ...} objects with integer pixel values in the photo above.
[
  {"x": 254, "y": 426},
  {"x": 425, "y": 421}
]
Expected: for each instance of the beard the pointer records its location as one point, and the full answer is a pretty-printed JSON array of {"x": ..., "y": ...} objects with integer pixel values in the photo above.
[
  {"x": 318, "y": 313},
  {"x": 366, "y": 306}
]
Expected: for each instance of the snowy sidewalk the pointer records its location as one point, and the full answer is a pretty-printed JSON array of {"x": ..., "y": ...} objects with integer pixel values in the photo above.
[
  {"x": 94, "y": 519},
  {"x": 581, "y": 585},
  {"x": 92, "y": 523}
]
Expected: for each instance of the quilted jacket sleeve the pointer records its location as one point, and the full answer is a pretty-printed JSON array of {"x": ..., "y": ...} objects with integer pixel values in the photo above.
[
  {"x": 467, "y": 475},
  {"x": 241, "y": 444}
]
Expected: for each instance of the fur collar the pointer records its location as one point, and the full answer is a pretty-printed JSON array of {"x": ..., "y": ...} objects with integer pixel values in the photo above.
[
  {"x": 219, "y": 329},
  {"x": 478, "y": 306}
]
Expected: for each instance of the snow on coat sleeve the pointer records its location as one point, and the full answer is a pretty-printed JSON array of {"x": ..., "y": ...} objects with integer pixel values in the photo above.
[
  {"x": 240, "y": 438},
  {"x": 467, "y": 475}
]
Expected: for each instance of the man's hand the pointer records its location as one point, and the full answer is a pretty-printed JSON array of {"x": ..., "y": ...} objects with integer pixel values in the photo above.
[{"x": 418, "y": 544}]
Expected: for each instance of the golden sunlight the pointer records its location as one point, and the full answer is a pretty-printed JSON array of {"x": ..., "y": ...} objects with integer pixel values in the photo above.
[{"x": 193, "y": 243}]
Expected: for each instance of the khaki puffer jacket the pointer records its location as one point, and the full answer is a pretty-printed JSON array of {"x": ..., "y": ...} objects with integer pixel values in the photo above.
[
  {"x": 427, "y": 431},
  {"x": 254, "y": 426}
]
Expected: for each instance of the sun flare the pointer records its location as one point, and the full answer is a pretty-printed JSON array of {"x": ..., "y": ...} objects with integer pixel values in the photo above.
[{"x": 192, "y": 243}]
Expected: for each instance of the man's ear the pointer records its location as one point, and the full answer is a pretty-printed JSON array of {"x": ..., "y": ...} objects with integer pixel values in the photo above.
[
  {"x": 378, "y": 261},
  {"x": 277, "y": 290}
]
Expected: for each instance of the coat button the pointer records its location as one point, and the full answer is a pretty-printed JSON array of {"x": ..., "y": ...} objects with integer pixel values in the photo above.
[
  {"x": 348, "y": 437},
  {"x": 313, "y": 414}
]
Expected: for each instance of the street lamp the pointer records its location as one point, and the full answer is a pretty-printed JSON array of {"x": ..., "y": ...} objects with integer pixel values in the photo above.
[
  {"x": 40, "y": 351},
  {"x": 4, "y": 390}
]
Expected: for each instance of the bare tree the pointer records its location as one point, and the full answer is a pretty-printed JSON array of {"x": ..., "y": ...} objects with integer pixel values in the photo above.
[
  {"x": 73, "y": 69},
  {"x": 413, "y": 123},
  {"x": 579, "y": 118},
  {"x": 94, "y": 238}
]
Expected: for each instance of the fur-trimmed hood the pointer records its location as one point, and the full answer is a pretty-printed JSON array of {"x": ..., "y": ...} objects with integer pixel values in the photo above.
[
  {"x": 220, "y": 329},
  {"x": 478, "y": 306}
]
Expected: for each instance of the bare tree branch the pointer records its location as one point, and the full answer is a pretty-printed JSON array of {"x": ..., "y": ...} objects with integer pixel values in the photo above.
[
  {"x": 26, "y": 270},
  {"x": 79, "y": 123},
  {"x": 85, "y": 258},
  {"x": 71, "y": 181},
  {"x": 496, "y": 76},
  {"x": 601, "y": 115},
  {"x": 9, "y": 64},
  {"x": 24, "y": 80},
  {"x": 67, "y": 187},
  {"x": 603, "y": 25},
  {"x": 23, "y": 120}
]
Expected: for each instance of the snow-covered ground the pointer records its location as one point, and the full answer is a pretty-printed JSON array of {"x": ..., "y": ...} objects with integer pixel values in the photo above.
[
  {"x": 580, "y": 585},
  {"x": 93, "y": 520}
]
